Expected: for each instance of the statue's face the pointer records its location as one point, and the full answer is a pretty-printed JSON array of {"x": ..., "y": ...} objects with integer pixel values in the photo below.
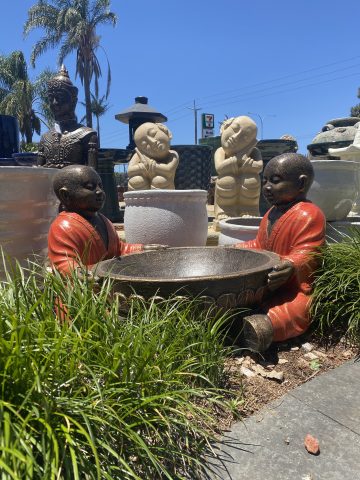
[
  {"x": 237, "y": 134},
  {"x": 279, "y": 187},
  {"x": 86, "y": 194},
  {"x": 154, "y": 142},
  {"x": 61, "y": 104}
]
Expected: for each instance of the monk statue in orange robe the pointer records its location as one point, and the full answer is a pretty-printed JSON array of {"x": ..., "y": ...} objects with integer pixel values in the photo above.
[
  {"x": 80, "y": 236},
  {"x": 294, "y": 228}
]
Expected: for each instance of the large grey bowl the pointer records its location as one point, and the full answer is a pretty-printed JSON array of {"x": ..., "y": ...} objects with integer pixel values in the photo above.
[{"x": 229, "y": 277}]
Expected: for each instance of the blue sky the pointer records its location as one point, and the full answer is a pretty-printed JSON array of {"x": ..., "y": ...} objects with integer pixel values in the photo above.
[{"x": 294, "y": 63}]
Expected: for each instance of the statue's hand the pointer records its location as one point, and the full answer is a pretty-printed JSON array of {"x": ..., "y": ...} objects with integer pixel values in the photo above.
[
  {"x": 280, "y": 274},
  {"x": 155, "y": 246},
  {"x": 152, "y": 166}
]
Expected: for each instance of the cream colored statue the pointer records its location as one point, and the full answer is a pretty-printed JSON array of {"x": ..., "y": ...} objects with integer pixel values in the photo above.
[
  {"x": 238, "y": 164},
  {"x": 153, "y": 164},
  {"x": 352, "y": 153}
]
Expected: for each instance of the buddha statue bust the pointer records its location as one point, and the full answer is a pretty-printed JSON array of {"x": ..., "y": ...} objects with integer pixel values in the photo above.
[
  {"x": 68, "y": 142},
  {"x": 238, "y": 164},
  {"x": 153, "y": 165}
]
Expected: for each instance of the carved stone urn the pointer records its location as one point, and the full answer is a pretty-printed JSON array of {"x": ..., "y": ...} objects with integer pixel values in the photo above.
[
  {"x": 177, "y": 218},
  {"x": 336, "y": 133}
]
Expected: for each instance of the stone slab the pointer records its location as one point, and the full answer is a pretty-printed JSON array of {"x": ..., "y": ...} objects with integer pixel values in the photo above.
[
  {"x": 335, "y": 394},
  {"x": 270, "y": 444}
]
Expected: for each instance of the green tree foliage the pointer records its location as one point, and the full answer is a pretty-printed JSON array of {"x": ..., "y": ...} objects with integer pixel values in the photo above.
[
  {"x": 21, "y": 97},
  {"x": 355, "y": 111},
  {"x": 72, "y": 25},
  {"x": 99, "y": 106}
]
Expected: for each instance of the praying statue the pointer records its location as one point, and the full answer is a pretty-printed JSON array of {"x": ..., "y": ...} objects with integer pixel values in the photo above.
[
  {"x": 68, "y": 142},
  {"x": 153, "y": 165},
  {"x": 238, "y": 164}
]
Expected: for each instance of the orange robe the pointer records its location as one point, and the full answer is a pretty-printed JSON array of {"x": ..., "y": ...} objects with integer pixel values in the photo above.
[
  {"x": 74, "y": 242},
  {"x": 295, "y": 236}
]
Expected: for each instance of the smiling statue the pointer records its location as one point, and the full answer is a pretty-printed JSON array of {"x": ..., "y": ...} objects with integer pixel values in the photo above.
[
  {"x": 153, "y": 164},
  {"x": 238, "y": 164}
]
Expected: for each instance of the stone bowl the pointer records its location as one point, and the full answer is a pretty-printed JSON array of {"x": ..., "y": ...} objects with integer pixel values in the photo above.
[{"x": 227, "y": 277}]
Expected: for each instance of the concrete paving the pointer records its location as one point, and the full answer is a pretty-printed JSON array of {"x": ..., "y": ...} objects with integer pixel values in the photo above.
[{"x": 270, "y": 444}]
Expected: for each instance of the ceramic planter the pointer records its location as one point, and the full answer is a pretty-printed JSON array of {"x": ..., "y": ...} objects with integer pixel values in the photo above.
[
  {"x": 194, "y": 169},
  {"x": 170, "y": 217},
  {"x": 9, "y": 136},
  {"x": 28, "y": 205},
  {"x": 334, "y": 188},
  {"x": 239, "y": 229}
]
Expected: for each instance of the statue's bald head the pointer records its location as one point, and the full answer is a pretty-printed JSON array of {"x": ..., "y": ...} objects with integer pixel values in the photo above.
[
  {"x": 292, "y": 166},
  {"x": 72, "y": 176}
]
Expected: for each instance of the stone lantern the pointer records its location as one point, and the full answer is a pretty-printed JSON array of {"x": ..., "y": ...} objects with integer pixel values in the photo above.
[{"x": 138, "y": 114}]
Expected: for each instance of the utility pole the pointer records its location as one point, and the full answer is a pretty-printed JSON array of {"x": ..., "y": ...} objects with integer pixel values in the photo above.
[{"x": 195, "y": 120}]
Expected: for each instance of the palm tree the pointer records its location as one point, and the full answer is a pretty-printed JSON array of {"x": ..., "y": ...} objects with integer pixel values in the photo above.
[
  {"x": 19, "y": 96},
  {"x": 72, "y": 24},
  {"x": 99, "y": 107}
]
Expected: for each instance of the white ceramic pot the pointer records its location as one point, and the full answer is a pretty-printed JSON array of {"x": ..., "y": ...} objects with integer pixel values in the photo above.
[
  {"x": 238, "y": 229},
  {"x": 28, "y": 205},
  {"x": 334, "y": 188},
  {"x": 177, "y": 218}
]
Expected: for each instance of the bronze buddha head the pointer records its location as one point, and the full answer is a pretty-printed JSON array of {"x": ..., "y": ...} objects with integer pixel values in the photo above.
[{"x": 62, "y": 95}]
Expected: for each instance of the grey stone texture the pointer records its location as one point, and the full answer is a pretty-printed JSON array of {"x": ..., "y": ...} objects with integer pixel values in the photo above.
[{"x": 270, "y": 444}]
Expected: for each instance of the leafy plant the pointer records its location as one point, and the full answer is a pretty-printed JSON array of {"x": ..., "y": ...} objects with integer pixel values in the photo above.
[
  {"x": 21, "y": 97},
  {"x": 72, "y": 25},
  {"x": 101, "y": 396},
  {"x": 336, "y": 298}
]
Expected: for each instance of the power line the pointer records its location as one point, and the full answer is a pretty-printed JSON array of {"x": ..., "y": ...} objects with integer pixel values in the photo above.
[
  {"x": 245, "y": 95},
  {"x": 283, "y": 77}
]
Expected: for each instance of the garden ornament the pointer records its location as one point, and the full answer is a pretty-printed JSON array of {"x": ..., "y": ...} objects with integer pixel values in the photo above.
[
  {"x": 68, "y": 142},
  {"x": 153, "y": 165},
  {"x": 238, "y": 164},
  {"x": 80, "y": 235},
  {"x": 294, "y": 228}
]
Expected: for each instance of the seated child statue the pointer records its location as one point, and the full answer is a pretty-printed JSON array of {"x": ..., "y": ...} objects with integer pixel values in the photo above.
[
  {"x": 80, "y": 235},
  {"x": 238, "y": 164},
  {"x": 294, "y": 228},
  {"x": 153, "y": 164}
]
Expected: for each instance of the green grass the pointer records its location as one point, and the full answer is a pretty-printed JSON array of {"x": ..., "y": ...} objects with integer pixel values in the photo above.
[
  {"x": 336, "y": 298},
  {"x": 103, "y": 397}
]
